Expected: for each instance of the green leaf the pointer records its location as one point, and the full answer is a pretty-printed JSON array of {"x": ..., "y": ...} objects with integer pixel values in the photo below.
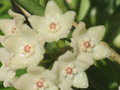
[
  {"x": 62, "y": 5},
  {"x": 83, "y": 9},
  {"x": 31, "y": 6},
  {"x": 99, "y": 80},
  {"x": 73, "y": 5},
  {"x": 93, "y": 16},
  {"x": 61, "y": 43},
  {"x": 9, "y": 88},
  {"x": 20, "y": 72},
  {"x": 5, "y": 5},
  {"x": 42, "y": 2}
]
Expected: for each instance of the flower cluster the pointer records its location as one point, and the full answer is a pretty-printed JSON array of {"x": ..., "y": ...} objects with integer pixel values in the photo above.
[{"x": 23, "y": 47}]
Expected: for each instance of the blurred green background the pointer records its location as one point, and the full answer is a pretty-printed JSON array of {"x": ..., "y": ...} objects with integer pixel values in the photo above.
[{"x": 104, "y": 74}]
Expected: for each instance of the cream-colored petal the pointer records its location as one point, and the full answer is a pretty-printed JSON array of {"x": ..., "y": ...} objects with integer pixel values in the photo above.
[
  {"x": 4, "y": 55},
  {"x": 1, "y": 38},
  {"x": 86, "y": 57},
  {"x": 65, "y": 85},
  {"x": 56, "y": 69},
  {"x": 49, "y": 75},
  {"x": 80, "y": 29},
  {"x": 30, "y": 81},
  {"x": 80, "y": 65},
  {"x": 18, "y": 18},
  {"x": 67, "y": 57},
  {"x": 52, "y": 86},
  {"x": 27, "y": 32},
  {"x": 25, "y": 82},
  {"x": 37, "y": 22},
  {"x": 35, "y": 69},
  {"x": 119, "y": 88},
  {"x": 101, "y": 51},
  {"x": 13, "y": 43},
  {"x": 18, "y": 62},
  {"x": 80, "y": 80},
  {"x": 21, "y": 61},
  {"x": 52, "y": 10},
  {"x": 75, "y": 47},
  {"x": 6, "y": 75},
  {"x": 6, "y": 26},
  {"x": 96, "y": 33}
]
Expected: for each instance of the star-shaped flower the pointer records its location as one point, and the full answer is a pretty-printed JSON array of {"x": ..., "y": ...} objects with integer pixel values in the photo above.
[
  {"x": 27, "y": 50},
  {"x": 11, "y": 26},
  {"x": 70, "y": 72},
  {"x": 54, "y": 25},
  {"x": 6, "y": 75},
  {"x": 88, "y": 41},
  {"x": 36, "y": 80}
]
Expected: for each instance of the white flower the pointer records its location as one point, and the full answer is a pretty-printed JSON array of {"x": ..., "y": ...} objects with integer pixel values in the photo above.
[
  {"x": 70, "y": 72},
  {"x": 54, "y": 25},
  {"x": 11, "y": 26},
  {"x": 37, "y": 80},
  {"x": 88, "y": 41},
  {"x": 119, "y": 88},
  {"x": 27, "y": 50},
  {"x": 6, "y": 75}
]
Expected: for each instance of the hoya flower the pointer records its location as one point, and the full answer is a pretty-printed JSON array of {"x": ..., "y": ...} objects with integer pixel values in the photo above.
[
  {"x": 11, "y": 26},
  {"x": 6, "y": 75},
  {"x": 70, "y": 72},
  {"x": 88, "y": 41},
  {"x": 54, "y": 25},
  {"x": 27, "y": 50},
  {"x": 36, "y": 80}
]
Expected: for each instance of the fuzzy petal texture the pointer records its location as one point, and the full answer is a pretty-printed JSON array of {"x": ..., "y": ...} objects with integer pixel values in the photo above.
[
  {"x": 52, "y": 9},
  {"x": 29, "y": 81},
  {"x": 86, "y": 57},
  {"x": 101, "y": 52},
  {"x": 11, "y": 26},
  {"x": 6, "y": 75},
  {"x": 54, "y": 25},
  {"x": 80, "y": 81},
  {"x": 4, "y": 55},
  {"x": 87, "y": 42},
  {"x": 27, "y": 50},
  {"x": 68, "y": 69}
]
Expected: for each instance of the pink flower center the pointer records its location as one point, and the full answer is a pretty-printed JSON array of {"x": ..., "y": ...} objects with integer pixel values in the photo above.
[
  {"x": 69, "y": 70},
  {"x": 40, "y": 84},
  {"x": 53, "y": 26},
  {"x": 27, "y": 48},
  {"x": 13, "y": 30},
  {"x": 87, "y": 44}
]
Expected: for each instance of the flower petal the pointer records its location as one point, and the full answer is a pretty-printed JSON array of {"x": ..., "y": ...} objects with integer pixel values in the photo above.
[
  {"x": 52, "y": 10},
  {"x": 6, "y": 75},
  {"x": 67, "y": 57},
  {"x": 80, "y": 29},
  {"x": 86, "y": 57},
  {"x": 6, "y": 25},
  {"x": 65, "y": 85},
  {"x": 4, "y": 55},
  {"x": 27, "y": 32},
  {"x": 80, "y": 80},
  {"x": 37, "y": 22},
  {"x": 12, "y": 43},
  {"x": 96, "y": 33},
  {"x": 18, "y": 18},
  {"x": 25, "y": 82},
  {"x": 101, "y": 52}
]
